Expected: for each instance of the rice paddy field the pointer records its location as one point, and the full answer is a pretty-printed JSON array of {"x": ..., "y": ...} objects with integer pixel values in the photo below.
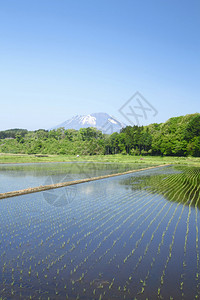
[{"x": 134, "y": 236}]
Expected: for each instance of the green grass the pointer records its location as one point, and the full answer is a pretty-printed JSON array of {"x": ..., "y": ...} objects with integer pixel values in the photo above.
[{"x": 24, "y": 158}]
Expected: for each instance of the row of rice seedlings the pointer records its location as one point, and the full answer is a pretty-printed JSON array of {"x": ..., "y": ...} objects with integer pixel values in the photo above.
[
  {"x": 188, "y": 217},
  {"x": 197, "y": 238},
  {"x": 23, "y": 251},
  {"x": 195, "y": 192},
  {"x": 178, "y": 193},
  {"x": 75, "y": 268},
  {"x": 73, "y": 282},
  {"x": 22, "y": 211},
  {"x": 152, "y": 235},
  {"x": 122, "y": 216},
  {"x": 170, "y": 254},
  {"x": 144, "y": 231},
  {"x": 131, "y": 276},
  {"x": 183, "y": 192},
  {"x": 11, "y": 242},
  {"x": 156, "y": 200},
  {"x": 103, "y": 217},
  {"x": 29, "y": 272},
  {"x": 113, "y": 225},
  {"x": 130, "y": 216},
  {"x": 186, "y": 235},
  {"x": 63, "y": 245},
  {"x": 105, "y": 237},
  {"x": 197, "y": 250},
  {"x": 31, "y": 217},
  {"x": 166, "y": 185},
  {"x": 183, "y": 187},
  {"x": 159, "y": 246},
  {"x": 58, "y": 270},
  {"x": 21, "y": 229},
  {"x": 20, "y": 243},
  {"x": 59, "y": 273},
  {"x": 34, "y": 222},
  {"x": 119, "y": 211},
  {"x": 85, "y": 259},
  {"x": 107, "y": 250},
  {"x": 109, "y": 215},
  {"x": 87, "y": 218}
]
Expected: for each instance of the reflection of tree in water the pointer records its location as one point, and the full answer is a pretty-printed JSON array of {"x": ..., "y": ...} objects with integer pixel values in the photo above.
[
  {"x": 184, "y": 185},
  {"x": 85, "y": 169}
]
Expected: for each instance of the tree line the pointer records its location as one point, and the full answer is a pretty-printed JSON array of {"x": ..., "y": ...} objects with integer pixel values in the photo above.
[{"x": 179, "y": 136}]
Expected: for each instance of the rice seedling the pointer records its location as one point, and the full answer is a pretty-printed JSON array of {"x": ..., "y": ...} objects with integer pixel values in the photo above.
[
  {"x": 131, "y": 215},
  {"x": 197, "y": 248},
  {"x": 105, "y": 238},
  {"x": 158, "y": 252},
  {"x": 146, "y": 250},
  {"x": 144, "y": 231},
  {"x": 63, "y": 250},
  {"x": 173, "y": 239}
]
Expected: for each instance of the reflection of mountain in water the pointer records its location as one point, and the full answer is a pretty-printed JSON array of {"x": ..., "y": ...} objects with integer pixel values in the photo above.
[{"x": 181, "y": 187}]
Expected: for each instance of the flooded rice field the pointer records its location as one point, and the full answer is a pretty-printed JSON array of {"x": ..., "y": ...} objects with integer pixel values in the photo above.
[{"x": 134, "y": 236}]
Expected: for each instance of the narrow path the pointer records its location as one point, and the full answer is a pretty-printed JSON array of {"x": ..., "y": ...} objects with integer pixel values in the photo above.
[{"x": 68, "y": 183}]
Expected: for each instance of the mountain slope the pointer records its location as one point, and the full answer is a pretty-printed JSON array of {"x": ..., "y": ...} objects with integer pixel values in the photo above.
[{"x": 101, "y": 121}]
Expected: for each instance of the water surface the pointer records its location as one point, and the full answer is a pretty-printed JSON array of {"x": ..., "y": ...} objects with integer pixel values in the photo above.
[
  {"x": 21, "y": 176},
  {"x": 109, "y": 239}
]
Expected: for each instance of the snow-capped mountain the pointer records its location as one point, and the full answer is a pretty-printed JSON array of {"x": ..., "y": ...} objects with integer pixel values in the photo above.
[{"x": 102, "y": 121}]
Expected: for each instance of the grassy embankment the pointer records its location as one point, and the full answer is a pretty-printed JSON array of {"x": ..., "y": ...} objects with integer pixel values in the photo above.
[{"x": 23, "y": 158}]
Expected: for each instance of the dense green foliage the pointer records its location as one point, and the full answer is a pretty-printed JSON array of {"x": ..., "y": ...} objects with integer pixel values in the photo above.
[
  {"x": 12, "y": 133},
  {"x": 179, "y": 136}
]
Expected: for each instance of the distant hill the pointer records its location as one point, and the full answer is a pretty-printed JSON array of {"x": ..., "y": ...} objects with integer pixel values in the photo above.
[
  {"x": 12, "y": 133},
  {"x": 178, "y": 136},
  {"x": 101, "y": 121}
]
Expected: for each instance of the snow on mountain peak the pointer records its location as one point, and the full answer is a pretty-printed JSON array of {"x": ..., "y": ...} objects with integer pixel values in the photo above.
[
  {"x": 102, "y": 121},
  {"x": 88, "y": 120},
  {"x": 112, "y": 121}
]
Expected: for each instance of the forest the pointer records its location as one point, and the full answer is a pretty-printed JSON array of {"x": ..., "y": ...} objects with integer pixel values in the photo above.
[{"x": 179, "y": 136}]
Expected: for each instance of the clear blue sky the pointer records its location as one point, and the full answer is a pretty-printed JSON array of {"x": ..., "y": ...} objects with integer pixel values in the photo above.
[{"x": 61, "y": 58}]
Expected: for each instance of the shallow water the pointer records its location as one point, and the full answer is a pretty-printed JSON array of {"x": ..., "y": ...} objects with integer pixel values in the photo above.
[
  {"x": 99, "y": 240},
  {"x": 21, "y": 176}
]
